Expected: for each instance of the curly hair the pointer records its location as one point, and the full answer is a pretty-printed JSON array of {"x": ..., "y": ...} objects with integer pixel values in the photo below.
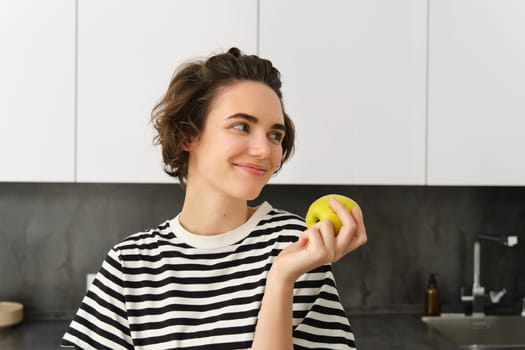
[{"x": 180, "y": 114}]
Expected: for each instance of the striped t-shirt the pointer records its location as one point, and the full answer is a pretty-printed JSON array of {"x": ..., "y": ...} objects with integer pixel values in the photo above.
[{"x": 167, "y": 288}]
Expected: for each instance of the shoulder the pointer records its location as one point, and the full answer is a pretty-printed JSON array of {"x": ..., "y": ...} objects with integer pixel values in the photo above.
[
  {"x": 148, "y": 240},
  {"x": 280, "y": 222},
  {"x": 282, "y": 217}
]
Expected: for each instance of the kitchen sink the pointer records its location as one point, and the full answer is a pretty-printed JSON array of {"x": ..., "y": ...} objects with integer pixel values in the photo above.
[{"x": 480, "y": 332}]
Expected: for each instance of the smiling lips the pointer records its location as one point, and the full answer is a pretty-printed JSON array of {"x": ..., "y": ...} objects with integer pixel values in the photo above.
[{"x": 252, "y": 169}]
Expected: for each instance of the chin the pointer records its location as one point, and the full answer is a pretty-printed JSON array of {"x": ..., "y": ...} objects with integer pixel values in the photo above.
[{"x": 250, "y": 194}]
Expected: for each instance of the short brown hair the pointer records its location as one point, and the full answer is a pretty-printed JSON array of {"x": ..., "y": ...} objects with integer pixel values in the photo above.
[{"x": 180, "y": 115}]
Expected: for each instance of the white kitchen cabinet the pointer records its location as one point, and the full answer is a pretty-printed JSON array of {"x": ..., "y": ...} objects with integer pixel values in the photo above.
[
  {"x": 476, "y": 93},
  {"x": 37, "y": 90},
  {"x": 354, "y": 83},
  {"x": 127, "y": 53}
]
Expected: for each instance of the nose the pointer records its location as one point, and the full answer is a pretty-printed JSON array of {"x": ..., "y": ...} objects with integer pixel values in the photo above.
[{"x": 260, "y": 146}]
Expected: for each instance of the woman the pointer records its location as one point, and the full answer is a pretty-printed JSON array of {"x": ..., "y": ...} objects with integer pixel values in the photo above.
[{"x": 222, "y": 275}]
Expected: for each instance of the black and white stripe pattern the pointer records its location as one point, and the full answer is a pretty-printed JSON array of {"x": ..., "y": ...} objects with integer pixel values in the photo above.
[{"x": 169, "y": 289}]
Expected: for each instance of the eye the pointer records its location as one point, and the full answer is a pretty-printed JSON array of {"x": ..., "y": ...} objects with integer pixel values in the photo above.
[
  {"x": 277, "y": 136},
  {"x": 241, "y": 127}
]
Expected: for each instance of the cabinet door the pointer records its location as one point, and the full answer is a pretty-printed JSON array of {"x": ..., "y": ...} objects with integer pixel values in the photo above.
[
  {"x": 127, "y": 53},
  {"x": 477, "y": 93},
  {"x": 354, "y": 83},
  {"x": 37, "y": 90}
]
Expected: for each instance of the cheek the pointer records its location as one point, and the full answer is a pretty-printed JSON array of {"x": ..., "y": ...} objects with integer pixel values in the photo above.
[
  {"x": 234, "y": 144},
  {"x": 230, "y": 146},
  {"x": 277, "y": 156}
]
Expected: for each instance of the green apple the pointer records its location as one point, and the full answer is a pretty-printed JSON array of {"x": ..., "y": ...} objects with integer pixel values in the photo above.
[{"x": 320, "y": 210}]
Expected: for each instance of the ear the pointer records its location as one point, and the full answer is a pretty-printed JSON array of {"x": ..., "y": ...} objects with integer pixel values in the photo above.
[{"x": 188, "y": 146}]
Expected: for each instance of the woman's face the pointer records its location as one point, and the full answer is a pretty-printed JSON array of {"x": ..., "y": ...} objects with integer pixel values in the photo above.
[{"x": 239, "y": 147}]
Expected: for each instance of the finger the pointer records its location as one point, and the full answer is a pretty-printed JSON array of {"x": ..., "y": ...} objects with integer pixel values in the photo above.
[
  {"x": 342, "y": 212},
  {"x": 358, "y": 237},
  {"x": 317, "y": 251},
  {"x": 326, "y": 229},
  {"x": 314, "y": 237},
  {"x": 345, "y": 237},
  {"x": 343, "y": 243},
  {"x": 303, "y": 240},
  {"x": 361, "y": 235},
  {"x": 357, "y": 215}
]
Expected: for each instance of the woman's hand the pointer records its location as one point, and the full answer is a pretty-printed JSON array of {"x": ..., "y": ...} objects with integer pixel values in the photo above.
[
  {"x": 319, "y": 245},
  {"x": 316, "y": 246}
]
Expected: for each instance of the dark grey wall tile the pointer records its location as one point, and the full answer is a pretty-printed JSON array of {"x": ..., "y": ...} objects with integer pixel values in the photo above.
[{"x": 52, "y": 235}]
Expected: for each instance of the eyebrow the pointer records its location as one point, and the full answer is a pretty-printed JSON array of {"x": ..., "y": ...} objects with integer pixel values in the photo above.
[{"x": 254, "y": 120}]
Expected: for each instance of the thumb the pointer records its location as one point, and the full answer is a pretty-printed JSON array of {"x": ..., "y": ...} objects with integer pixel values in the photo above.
[{"x": 301, "y": 242}]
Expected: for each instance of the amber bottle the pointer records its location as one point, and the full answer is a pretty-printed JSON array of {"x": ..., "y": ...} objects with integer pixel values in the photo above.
[{"x": 432, "y": 302}]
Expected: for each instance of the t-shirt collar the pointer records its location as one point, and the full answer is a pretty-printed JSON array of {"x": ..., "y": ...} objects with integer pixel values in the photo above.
[{"x": 223, "y": 239}]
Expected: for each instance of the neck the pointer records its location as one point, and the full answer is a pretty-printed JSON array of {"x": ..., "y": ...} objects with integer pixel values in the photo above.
[{"x": 208, "y": 214}]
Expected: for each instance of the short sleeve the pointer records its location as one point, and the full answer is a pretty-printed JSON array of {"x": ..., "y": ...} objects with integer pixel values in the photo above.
[
  {"x": 320, "y": 321},
  {"x": 101, "y": 321}
]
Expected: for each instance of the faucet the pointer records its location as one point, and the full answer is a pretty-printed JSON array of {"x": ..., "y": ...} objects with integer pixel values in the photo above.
[{"x": 478, "y": 292}]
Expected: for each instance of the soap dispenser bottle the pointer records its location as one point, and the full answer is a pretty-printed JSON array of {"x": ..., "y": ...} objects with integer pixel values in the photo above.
[{"x": 432, "y": 303}]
